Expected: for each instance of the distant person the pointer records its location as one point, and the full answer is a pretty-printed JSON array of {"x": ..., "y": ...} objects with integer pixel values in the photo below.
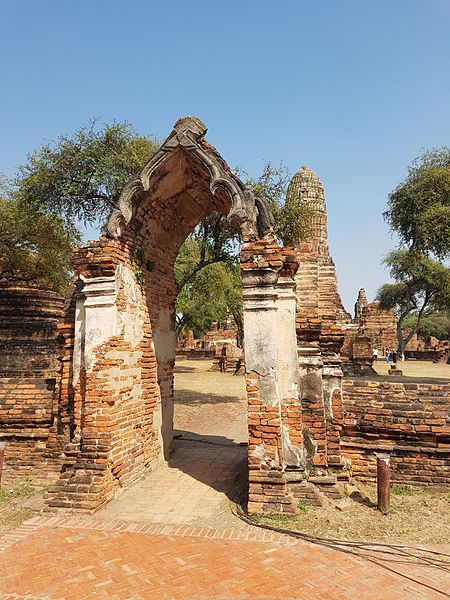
[
  {"x": 223, "y": 359},
  {"x": 388, "y": 355},
  {"x": 394, "y": 359},
  {"x": 375, "y": 353},
  {"x": 238, "y": 366}
]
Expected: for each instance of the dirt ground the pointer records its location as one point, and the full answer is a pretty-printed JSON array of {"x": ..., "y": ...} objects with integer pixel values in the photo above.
[
  {"x": 415, "y": 368},
  {"x": 14, "y": 507},
  {"x": 416, "y": 516},
  {"x": 209, "y": 403}
]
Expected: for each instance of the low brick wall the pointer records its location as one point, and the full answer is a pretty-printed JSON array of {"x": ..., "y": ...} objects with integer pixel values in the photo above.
[
  {"x": 25, "y": 419},
  {"x": 28, "y": 365},
  {"x": 409, "y": 421}
]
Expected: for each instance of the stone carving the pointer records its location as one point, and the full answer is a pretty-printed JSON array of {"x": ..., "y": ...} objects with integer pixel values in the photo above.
[{"x": 250, "y": 217}]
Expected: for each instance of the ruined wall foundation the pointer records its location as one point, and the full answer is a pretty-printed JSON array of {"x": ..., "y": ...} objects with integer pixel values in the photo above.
[
  {"x": 408, "y": 421},
  {"x": 28, "y": 367}
]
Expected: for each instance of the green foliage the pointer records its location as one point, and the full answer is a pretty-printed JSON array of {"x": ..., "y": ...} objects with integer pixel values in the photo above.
[
  {"x": 218, "y": 291},
  {"x": 211, "y": 285},
  {"x": 292, "y": 219},
  {"x": 419, "y": 208},
  {"x": 433, "y": 323},
  {"x": 203, "y": 299},
  {"x": 207, "y": 274},
  {"x": 421, "y": 284},
  {"x": 402, "y": 490},
  {"x": 77, "y": 178},
  {"x": 436, "y": 324},
  {"x": 22, "y": 491},
  {"x": 81, "y": 176},
  {"x": 302, "y": 508},
  {"x": 34, "y": 246},
  {"x": 212, "y": 241}
]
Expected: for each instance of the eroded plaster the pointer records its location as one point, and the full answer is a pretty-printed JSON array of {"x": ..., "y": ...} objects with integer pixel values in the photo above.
[{"x": 98, "y": 319}]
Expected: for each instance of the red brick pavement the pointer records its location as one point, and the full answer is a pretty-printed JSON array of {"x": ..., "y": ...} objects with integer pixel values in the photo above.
[{"x": 62, "y": 558}]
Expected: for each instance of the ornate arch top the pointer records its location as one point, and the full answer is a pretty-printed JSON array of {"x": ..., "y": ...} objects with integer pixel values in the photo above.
[{"x": 251, "y": 216}]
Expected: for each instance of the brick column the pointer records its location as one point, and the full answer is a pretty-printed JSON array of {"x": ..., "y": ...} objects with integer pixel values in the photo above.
[
  {"x": 267, "y": 484},
  {"x": 288, "y": 375}
]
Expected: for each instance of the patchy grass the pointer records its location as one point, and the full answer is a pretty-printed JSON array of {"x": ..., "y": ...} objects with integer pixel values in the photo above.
[
  {"x": 12, "y": 509},
  {"x": 284, "y": 520},
  {"x": 402, "y": 489},
  {"x": 417, "y": 516}
]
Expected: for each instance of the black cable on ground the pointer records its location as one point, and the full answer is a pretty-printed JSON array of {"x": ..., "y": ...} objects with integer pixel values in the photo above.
[
  {"x": 354, "y": 548},
  {"x": 351, "y": 547}
]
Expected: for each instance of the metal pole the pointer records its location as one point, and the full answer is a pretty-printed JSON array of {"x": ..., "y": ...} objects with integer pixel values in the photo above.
[
  {"x": 2, "y": 456},
  {"x": 383, "y": 482}
]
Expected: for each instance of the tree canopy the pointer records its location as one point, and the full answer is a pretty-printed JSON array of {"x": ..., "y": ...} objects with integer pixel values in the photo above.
[
  {"x": 419, "y": 208},
  {"x": 433, "y": 323},
  {"x": 34, "y": 246},
  {"x": 80, "y": 177},
  {"x": 421, "y": 284}
]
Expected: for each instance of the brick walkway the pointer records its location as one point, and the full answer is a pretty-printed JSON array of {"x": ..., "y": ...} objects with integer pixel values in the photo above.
[
  {"x": 81, "y": 558},
  {"x": 192, "y": 487}
]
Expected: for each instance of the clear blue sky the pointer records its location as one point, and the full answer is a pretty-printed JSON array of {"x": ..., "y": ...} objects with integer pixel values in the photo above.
[{"x": 352, "y": 88}]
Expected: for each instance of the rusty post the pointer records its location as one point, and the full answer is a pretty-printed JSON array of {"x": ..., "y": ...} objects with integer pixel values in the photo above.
[
  {"x": 383, "y": 482},
  {"x": 2, "y": 456}
]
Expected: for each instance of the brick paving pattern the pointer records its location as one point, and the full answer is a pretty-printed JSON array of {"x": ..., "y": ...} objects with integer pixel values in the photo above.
[
  {"x": 193, "y": 485},
  {"x": 81, "y": 558}
]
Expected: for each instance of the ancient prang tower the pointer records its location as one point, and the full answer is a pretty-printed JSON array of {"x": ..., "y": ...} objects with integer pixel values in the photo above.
[
  {"x": 319, "y": 316},
  {"x": 319, "y": 296}
]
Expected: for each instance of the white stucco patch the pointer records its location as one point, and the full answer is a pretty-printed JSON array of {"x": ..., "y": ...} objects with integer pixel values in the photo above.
[
  {"x": 97, "y": 318},
  {"x": 293, "y": 456},
  {"x": 260, "y": 453}
]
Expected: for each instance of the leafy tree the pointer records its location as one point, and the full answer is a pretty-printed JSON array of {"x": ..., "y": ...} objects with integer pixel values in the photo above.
[
  {"x": 204, "y": 299},
  {"x": 292, "y": 219},
  {"x": 76, "y": 179},
  {"x": 421, "y": 283},
  {"x": 212, "y": 241},
  {"x": 81, "y": 176},
  {"x": 433, "y": 323},
  {"x": 419, "y": 208},
  {"x": 34, "y": 246}
]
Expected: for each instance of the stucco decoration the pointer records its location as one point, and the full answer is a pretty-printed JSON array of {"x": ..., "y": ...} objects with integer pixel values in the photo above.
[
  {"x": 97, "y": 318},
  {"x": 249, "y": 216}
]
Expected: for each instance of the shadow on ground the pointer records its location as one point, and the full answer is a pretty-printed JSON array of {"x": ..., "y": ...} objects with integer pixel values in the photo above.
[
  {"x": 193, "y": 397},
  {"x": 212, "y": 450},
  {"x": 183, "y": 369}
]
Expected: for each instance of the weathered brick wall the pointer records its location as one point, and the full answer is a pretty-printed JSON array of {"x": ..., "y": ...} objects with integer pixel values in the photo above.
[
  {"x": 25, "y": 419},
  {"x": 106, "y": 413},
  {"x": 409, "y": 421},
  {"x": 380, "y": 326},
  {"x": 28, "y": 317},
  {"x": 28, "y": 351},
  {"x": 268, "y": 490}
]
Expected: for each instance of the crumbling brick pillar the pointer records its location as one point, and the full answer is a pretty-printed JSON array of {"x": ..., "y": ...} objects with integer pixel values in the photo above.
[
  {"x": 292, "y": 444},
  {"x": 28, "y": 365},
  {"x": 111, "y": 383},
  {"x": 267, "y": 483},
  {"x": 332, "y": 396}
]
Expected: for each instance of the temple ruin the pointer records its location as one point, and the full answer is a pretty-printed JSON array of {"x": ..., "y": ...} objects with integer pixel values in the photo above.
[{"x": 96, "y": 413}]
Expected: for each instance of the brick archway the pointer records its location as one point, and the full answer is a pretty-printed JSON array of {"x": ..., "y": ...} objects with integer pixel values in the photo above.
[{"x": 114, "y": 406}]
